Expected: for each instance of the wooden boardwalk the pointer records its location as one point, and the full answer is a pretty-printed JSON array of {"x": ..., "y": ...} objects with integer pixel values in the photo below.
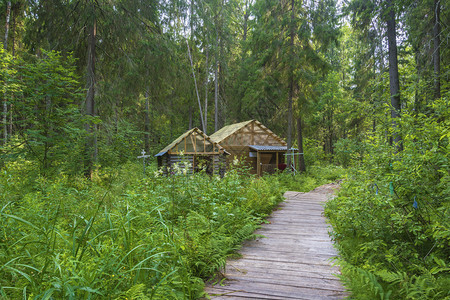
[{"x": 292, "y": 261}]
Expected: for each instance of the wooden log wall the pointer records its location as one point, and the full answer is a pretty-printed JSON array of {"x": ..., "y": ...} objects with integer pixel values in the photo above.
[{"x": 167, "y": 162}]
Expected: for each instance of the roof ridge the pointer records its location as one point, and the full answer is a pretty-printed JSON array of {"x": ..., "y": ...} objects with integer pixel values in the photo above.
[
  {"x": 187, "y": 133},
  {"x": 228, "y": 130}
]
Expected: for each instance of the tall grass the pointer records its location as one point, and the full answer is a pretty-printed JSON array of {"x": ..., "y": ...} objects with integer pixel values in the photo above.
[{"x": 123, "y": 235}]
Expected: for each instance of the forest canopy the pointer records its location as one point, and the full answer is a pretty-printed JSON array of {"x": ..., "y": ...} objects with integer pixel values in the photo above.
[{"x": 318, "y": 73}]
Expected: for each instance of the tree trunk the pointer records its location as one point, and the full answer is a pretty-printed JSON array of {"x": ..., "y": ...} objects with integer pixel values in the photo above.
[
  {"x": 301, "y": 157},
  {"x": 417, "y": 100},
  {"x": 291, "y": 82},
  {"x": 394, "y": 83},
  {"x": 436, "y": 50},
  {"x": 14, "y": 10},
  {"x": 147, "y": 121},
  {"x": 206, "y": 89},
  {"x": 246, "y": 15},
  {"x": 5, "y": 102},
  {"x": 8, "y": 16},
  {"x": 195, "y": 83},
  {"x": 14, "y": 13},
  {"x": 216, "y": 83},
  {"x": 289, "y": 129},
  {"x": 190, "y": 117},
  {"x": 91, "y": 143},
  {"x": 244, "y": 38}
]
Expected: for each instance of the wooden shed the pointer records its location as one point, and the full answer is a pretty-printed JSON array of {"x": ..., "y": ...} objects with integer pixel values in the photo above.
[
  {"x": 262, "y": 149},
  {"x": 193, "y": 151}
]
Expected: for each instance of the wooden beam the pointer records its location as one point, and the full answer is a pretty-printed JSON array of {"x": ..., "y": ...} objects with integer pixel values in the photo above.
[
  {"x": 195, "y": 143},
  {"x": 276, "y": 137},
  {"x": 258, "y": 164},
  {"x": 277, "y": 154}
]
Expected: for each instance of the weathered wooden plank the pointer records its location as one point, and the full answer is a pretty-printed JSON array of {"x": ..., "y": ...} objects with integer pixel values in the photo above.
[
  {"x": 283, "y": 291},
  {"x": 306, "y": 239},
  {"x": 319, "y": 270},
  {"x": 295, "y": 282},
  {"x": 220, "y": 293},
  {"x": 293, "y": 259},
  {"x": 298, "y": 251},
  {"x": 256, "y": 270}
]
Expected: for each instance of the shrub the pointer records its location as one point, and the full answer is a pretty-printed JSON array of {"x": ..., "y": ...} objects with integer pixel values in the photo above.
[{"x": 390, "y": 220}]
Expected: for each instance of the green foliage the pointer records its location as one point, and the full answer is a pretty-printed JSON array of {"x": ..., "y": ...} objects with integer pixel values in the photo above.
[
  {"x": 121, "y": 235},
  {"x": 362, "y": 283},
  {"x": 390, "y": 220},
  {"x": 348, "y": 152},
  {"x": 312, "y": 178},
  {"x": 49, "y": 123}
]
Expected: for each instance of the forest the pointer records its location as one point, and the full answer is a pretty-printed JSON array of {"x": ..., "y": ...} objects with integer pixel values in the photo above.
[{"x": 360, "y": 87}]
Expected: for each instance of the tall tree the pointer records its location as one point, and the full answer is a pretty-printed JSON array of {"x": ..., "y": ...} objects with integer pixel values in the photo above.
[
  {"x": 365, "y": 14},
  {"x": 394, "y": 81},
  {"x": 292, "y": 27},
  {"x": 289, "y": 40},
  {"x": 5, "y": 47},
  {"x": 437, "y": 49},
  {"x": 91, "y": 142}
]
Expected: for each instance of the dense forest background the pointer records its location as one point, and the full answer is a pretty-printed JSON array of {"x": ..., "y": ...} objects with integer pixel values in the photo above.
[
  {"x": 97, "y": 81},
  {"x": 361, "y": 87}
]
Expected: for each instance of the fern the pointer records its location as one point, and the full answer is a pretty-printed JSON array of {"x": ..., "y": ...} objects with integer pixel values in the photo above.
[
  {"x": 412, "y": 287},
  {"x": 391, "y": 277},
  {"x": 136, "y": 292},
  {"x": 371, "y": 282},
  {"x": 362, "y": 283}
]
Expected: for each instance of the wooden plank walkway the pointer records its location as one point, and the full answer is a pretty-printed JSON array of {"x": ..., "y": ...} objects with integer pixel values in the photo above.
[{"x": 292, "y": 261}]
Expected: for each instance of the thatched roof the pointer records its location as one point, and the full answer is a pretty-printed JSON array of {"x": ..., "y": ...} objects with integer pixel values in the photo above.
[
  {"x": 254, "y": 126},
  {"x": 200, "y": 137},
  {"x": 226, "y": 131}
]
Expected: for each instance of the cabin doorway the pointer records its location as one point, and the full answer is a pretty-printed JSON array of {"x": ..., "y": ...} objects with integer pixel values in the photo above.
[{"x": 203, "y": 163}]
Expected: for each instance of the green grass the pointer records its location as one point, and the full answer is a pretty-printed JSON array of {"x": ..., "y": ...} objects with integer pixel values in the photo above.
[
  {"x": 123, "y": 234},
  {"x": 314, "y": 176}
]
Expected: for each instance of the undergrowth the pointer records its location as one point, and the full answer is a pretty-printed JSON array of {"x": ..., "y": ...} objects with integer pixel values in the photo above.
[
  {"x": 391, "y": 219},
  {"x": 122, "y": 235},
  {"x": 314, "y": 176}
]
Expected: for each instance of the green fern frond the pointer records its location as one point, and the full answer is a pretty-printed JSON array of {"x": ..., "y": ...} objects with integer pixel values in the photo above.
[
  {"x": 392, "y": 277},
  {"x": 136, "y": 292}
]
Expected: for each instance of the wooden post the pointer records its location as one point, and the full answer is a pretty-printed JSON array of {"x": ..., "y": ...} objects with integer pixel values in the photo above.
[
  {"x": 276, "y": 153},
  {"x": 143, "y": 156},
  {"x": 193, "y": 141},
  {"x": 253, "y": 134},
  {"x": 258, "y": 164}
]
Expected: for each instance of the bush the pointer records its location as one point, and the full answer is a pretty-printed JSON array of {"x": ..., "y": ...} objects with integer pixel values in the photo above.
[{"x": 390, "y": 220}]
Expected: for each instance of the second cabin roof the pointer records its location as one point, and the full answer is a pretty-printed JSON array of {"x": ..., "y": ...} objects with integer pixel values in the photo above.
[{"x": 227, "y": 131}]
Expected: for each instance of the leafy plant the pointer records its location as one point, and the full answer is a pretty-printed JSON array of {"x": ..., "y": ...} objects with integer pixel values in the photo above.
[{"x": 390, "y": 218}]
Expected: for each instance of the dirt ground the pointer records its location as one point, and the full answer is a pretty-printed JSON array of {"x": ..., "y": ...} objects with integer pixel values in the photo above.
[{"x": 329, "y": 188}]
